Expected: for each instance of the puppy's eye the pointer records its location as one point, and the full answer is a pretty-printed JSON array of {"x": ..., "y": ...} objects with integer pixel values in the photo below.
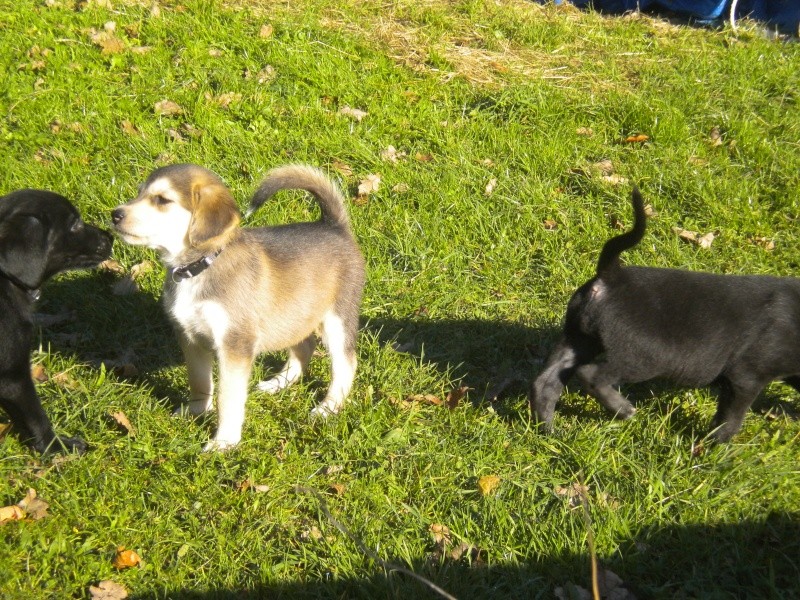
[{"x": 161, "y": 201}]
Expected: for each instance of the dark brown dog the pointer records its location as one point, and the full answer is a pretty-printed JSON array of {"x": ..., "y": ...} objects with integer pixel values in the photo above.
[
  {"x": 633, "y": 324},
  {"x": 41, "y": 234}
]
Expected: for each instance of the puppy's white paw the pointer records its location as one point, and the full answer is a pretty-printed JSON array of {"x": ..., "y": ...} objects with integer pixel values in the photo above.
[
  {"x": 220, "y": 445},
  {"x": 325, "y": 410},
  {"x": 272, "y": 386},
  {"x": 195, "y": 408}
]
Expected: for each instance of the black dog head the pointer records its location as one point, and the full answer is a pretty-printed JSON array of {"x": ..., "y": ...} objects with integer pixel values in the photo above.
[{"x": 42, "y": 234}]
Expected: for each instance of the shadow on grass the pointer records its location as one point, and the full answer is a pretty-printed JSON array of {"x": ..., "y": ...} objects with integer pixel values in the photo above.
[{"x": 746, "y": 559}]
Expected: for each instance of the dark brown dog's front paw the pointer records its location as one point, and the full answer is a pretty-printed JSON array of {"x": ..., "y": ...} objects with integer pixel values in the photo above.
[{"x": 61, "y": 444}]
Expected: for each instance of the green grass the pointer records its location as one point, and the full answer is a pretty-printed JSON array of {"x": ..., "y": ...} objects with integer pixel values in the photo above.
[{"x": 464, "y": 288}]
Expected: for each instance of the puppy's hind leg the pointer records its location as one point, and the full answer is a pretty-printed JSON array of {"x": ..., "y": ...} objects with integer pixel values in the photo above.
[
  {"x": 199, "y": 364},
  {"x": 547, "y": 387},
  {"x": 294, "y": 368},
  {"x": 339, "y": 337},
  {"x": 598, "y": 381}
]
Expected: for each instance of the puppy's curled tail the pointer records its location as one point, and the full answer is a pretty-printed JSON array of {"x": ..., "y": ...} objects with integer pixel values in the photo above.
[
  {"x": 608, "y": 263},
  {"x": 310, "y": 179}
]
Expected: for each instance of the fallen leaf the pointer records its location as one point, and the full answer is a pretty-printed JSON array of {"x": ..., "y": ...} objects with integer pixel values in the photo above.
[
  {"x": 121, "y": 419},
  {"x": 216, "y": 52},
  {"x": 128, "y": 128},
  {"x": 490, "y": 186},
  {"x": 39, "y": 374},
  {"x": 34, "y": 507},
  {"x": 332, "y": 469},
  {"x": 108, "y": 590},
  {"x": 311, "y": 534},
  {"x": 337, "y": 489},
  {"x": 423, "y": 157},
  {"x": 455, "y": 396},
  {"x": 265, "y": 31},
  {"x": 549, "y": 224},
  {"x": 343, "y": 168},
  {"x": 605, "y": 166},
  {"x": 637, "y": 139},
  {"x": 354, "y": 113},
  {"x": 228, "y": 98},
  {"x": 614, "y": 179},
  {"x": 107, "y": 41},
  {"x": 368, "y": 185},
  {"x": 487, "y": 162},
  {"x": 425, "y": 399},
  {"x": 715, "y": 137},
  {"x": 167, "y": 108},
  {"x": 125, "y": 559},
  {"x": 5, "y": 428},
  {"x": 441, "y": 533},
  {"x": 704, "y": 241},
  {"x": 391, "y": 154},
  {"x": 141, "y": 268},
  {"x": 585, "y": 131},
  {"x": 764, "y": 242},
  {"x": 488, "y": 484},
  {"x": 11, "y": 513},
  {"x": 400, "y": 188},
  {"x": 576, "y": 493}
]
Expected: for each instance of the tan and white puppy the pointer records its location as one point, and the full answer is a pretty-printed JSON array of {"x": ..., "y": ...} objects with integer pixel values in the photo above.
[{"x": 233, "y": 293}]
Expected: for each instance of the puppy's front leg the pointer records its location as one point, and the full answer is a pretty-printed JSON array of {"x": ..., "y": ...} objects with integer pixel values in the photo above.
[
  {"x": 199, "y": 364},
  {"x": 234, "y": 375}
]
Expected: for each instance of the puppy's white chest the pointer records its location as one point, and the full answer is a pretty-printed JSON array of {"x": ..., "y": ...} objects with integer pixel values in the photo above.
[{"x": 203, "y": 319}]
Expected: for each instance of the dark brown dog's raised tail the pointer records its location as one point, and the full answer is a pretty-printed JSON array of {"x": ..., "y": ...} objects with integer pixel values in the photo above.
[
  {"x": 310, "y": 179},
  {"x": 608, "y": 262}
]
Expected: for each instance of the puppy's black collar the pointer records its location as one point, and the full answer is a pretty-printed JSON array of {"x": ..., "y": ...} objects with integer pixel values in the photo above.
[{"x": 193, "y": 269}]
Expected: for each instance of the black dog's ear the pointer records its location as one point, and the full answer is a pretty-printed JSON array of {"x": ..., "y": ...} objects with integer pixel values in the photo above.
[{"x": 23, "y": 256}]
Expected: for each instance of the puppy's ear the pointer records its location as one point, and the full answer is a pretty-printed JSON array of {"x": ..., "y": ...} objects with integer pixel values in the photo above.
[
  {"x": 214, "y": 214},
  {"x": 23, "y": 250}
]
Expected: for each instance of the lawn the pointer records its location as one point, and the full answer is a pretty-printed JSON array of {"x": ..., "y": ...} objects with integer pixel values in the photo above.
[{"x": 495, "y": 144}]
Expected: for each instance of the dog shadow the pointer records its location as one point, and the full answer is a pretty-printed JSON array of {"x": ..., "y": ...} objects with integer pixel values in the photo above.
[
  {"x": 655, "y": 564},
  {"x": 494, "y": 359}
]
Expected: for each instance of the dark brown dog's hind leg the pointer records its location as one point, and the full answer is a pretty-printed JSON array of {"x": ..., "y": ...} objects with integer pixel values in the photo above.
[
  {"x": 547, "y": 387},
  {"x": 736, "y": 396},
  {"x": 598, "y": 381}
]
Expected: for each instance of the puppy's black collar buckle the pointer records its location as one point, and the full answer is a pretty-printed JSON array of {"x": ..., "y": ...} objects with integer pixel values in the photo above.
[{"x": 193, "y": 269}]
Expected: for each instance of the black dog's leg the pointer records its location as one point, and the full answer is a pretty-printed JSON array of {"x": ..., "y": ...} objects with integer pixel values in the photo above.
[
  {"x": 547, "y": 387},
  {"x": 22, "y": 404},
  {"x": 598, "y": 381},
  {"x": 734, "y": 401}
]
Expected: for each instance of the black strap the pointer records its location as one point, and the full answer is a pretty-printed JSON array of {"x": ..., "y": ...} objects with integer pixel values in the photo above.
[{"x": 193, "y": 269}]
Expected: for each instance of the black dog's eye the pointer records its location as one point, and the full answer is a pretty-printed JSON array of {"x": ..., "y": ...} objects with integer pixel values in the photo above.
[{"x": 161, "y": 201}]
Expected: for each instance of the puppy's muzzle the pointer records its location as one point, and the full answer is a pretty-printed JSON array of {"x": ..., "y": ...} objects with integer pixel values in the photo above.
[{"x": 117, "y": 215}]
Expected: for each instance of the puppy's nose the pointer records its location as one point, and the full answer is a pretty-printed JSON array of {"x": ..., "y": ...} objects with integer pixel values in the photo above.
[{"x": 117, "y": 215}]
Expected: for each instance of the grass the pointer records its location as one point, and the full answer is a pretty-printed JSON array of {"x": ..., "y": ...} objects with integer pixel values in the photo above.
[{"x": 464, "y": 288}]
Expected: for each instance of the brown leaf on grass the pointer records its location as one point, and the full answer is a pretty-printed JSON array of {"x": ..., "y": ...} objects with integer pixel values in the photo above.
[
  {"x": 353, "y": 113},
  {"x": 111, "y": 266},
  {"x": 11, "y": 513},
  {"x": 490, "y": 187},
  {"x": 128, "y": 128},
  {"x": 108, "y": 590},
  {"x": 247, "y": 484},
  {"x": 34, "y": 507},
  {"x": 400, "y": 188},
  {"x": 637, "y": 139},
  {"x": 766, "y": 243},
  {"x": 312, "y": 533},
  {"x": 392, "y": 155},
  {"x": 715, "y": 137},
  {"x": 549, "y": 224},
  {"x": 425, "y": 399},
  {"x": 368, "y": 185},
  {"x": 125, "y": 559},
  {"x": 266, "y": 31},
  {"x": 487, "y": 484},
  {"x": 614, "y": 179},
  {"x": 585, "y": 131},
  {"x": 5, "y": 428},
  {"x": 604, "y": 167},
  {"x": 455, "y": 396},
  {"x": 106, "y": 40},
  {"x": 122, "y": 421},
  {"x": 704, "y": 241},
  {"x": 225, "y": 100},
  {"x": 576, "y": 493},
  {"x": 39, "y": 374},
  {"x": 167, "y": 108},
  {"x": 423, "y": 157},
  {"x": 337, "y": 489},
  {"x": 343, "y": 168}
]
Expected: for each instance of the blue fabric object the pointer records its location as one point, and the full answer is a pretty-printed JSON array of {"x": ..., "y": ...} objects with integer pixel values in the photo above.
[{"x": 784, "y": 14}]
